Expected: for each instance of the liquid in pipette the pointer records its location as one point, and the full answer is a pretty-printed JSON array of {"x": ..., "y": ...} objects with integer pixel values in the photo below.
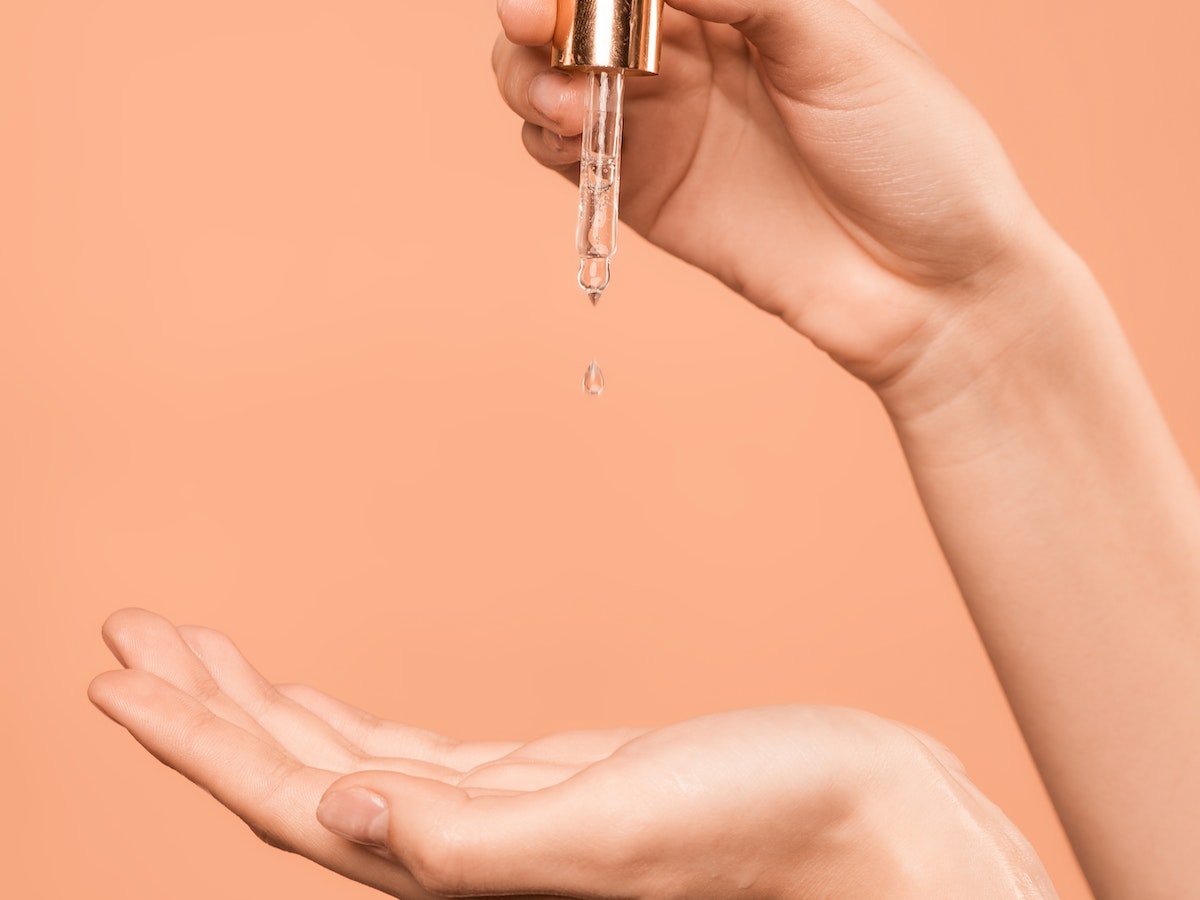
[
  {"x": 599, "y": 182},
  {"x": 599, "y": 195}
]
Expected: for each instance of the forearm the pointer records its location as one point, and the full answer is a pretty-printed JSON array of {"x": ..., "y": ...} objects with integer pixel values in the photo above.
[{"x": 1072, "y": 525}]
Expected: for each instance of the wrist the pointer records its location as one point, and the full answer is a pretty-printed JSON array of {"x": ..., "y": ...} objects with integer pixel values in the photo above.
[
  {"x": 925, "y": 830},
  {"x": 898, "y": 818},
  {"x": 997, "y": 359}
]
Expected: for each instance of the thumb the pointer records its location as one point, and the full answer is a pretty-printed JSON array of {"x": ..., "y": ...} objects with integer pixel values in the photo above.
[{"x": 456, "y": 844}]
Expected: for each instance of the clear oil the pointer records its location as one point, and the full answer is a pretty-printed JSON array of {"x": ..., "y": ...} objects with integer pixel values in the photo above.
[
  {"x": 599, "y": 194},
  {"x": 599, "y": 182},
  {"x": 593, "y": 380}
]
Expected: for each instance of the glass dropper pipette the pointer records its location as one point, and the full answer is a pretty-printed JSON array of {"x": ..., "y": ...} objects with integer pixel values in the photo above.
[
  {"x": 599, "y": 181},
  {"x": 607, "y": 39}
]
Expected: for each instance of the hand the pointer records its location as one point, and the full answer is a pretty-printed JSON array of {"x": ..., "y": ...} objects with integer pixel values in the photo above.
[
  {"x": 805, "y": 152},
  {"x": 810, "y": 157},
  {"x": 783, "y": 802}
]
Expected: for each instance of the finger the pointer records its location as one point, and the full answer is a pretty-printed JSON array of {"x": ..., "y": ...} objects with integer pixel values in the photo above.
[
  {"x": 775, "y": 26},
  {"x": 382, "y": 738},
  {"x": 481, "y": 767},
  {"x": 532, "y": 22},
  {"x": 243, "y": 771},
  {"x": 552, "y": 150},
  {"x": 271, "y": 792},
  {"x": 541, "y": 843},
  {"x": 550, "y": 760},
  {"x": 512, "y": 775},
  {"x": 581, "y": 748},
  {"x": 144, "y": 640},
  {"x": 536, "y": 91},
  {"x": 810, "y": 47},
  {"x": 528, "y": 22},
  {"x": 306, "y": 736}
]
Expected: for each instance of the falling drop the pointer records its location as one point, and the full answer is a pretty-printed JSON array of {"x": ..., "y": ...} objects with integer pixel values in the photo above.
[{"x": 593, "y": 380}]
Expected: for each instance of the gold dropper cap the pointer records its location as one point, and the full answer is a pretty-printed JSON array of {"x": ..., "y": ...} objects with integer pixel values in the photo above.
[{"x": 609, "y": 34}]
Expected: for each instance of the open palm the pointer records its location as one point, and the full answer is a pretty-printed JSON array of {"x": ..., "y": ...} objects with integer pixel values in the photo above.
[{"x": 781, "y": 798}]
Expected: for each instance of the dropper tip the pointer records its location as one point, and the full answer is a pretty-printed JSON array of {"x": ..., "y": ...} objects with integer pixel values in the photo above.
[{"x": 594, "y": 272}]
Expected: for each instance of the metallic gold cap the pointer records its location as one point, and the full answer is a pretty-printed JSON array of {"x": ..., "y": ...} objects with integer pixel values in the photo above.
[{"x": 609, "y": 34}]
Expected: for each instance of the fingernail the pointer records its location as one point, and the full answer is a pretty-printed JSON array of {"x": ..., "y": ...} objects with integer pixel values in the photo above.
[
  {"x": 357, "y": 815},
  {"x": 546, "y": 92}
]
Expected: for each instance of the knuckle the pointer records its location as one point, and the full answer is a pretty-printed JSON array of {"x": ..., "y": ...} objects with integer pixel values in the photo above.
[
  {"x": 364, "y": 730},
  {"x": 352, "y": 758},
  {"x": 443, "y": 749},
  {"x": 264, "y": 814},
  {"x": 196, "y": 728},
  {"x": 274, "y": 783},
  {"x": 205, "y": 689},
  {"x": 270, "y": 836}
]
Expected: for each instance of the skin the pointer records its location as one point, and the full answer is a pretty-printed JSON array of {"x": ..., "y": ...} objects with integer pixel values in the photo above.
[
  {"x": 874, "y": 212},
  {"x": 810, "y": 156},
  {"x": 775, "y": 802}
]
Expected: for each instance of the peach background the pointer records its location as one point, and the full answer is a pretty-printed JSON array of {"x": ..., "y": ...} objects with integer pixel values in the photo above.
[{"x": 289, "y": 346}]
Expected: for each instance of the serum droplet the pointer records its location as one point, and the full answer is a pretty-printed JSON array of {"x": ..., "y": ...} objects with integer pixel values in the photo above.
[{"x": 593, "y": 380}]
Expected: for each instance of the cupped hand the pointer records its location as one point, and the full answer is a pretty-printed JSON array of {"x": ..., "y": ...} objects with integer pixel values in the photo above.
[
  {"x": 778, "y": 802},
  {"x": 806, "y": 153}
]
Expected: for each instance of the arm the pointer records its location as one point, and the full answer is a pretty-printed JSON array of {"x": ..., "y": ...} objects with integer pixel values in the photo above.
[
  {"x": 876, "y": 213},
  {"x": 1072, "y": 525}
]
